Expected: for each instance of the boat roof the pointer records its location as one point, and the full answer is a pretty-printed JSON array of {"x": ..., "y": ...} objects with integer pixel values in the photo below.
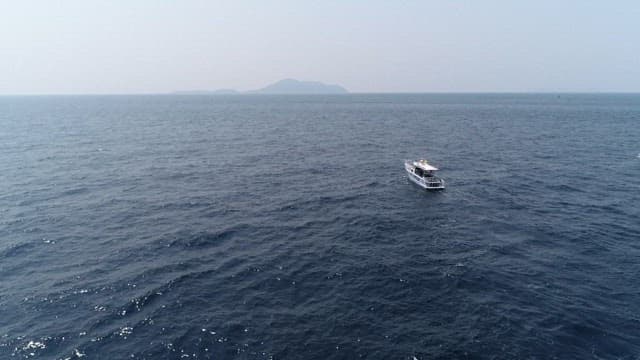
[{"x": 424, "y": 165}]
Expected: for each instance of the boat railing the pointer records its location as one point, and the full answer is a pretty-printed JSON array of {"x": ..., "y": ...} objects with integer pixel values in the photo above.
[
  {"x": 434, "y": 185},
  {"x": 432, "y": 180}
]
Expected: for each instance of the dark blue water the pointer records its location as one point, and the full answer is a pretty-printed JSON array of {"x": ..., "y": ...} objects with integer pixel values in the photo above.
[{"x": 267, "y": 227}]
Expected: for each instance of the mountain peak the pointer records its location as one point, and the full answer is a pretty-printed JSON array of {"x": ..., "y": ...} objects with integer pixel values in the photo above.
[
  {"x": 293, "y": 86},
  {"x": 284, "y": 86}
]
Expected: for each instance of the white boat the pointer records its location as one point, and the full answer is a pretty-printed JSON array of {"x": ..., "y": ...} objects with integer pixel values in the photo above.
[{"x": 422, "y": 174}]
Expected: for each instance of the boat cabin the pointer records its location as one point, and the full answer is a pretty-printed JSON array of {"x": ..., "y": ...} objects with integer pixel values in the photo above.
[{"x": 423, "y": 168}]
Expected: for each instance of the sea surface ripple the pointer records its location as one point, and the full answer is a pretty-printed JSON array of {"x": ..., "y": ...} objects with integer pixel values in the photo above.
[{"x": 283, "y": 227}]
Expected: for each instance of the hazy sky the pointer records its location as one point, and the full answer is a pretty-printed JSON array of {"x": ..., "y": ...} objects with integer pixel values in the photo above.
[{"x": 150, "y": 46}]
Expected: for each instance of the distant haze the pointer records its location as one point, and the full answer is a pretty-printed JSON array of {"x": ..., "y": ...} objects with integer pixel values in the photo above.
[{"x": 145, "y": 46}]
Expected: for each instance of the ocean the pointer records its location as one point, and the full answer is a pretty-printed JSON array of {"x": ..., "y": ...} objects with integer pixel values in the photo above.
[{"x": 284, "y": 227}]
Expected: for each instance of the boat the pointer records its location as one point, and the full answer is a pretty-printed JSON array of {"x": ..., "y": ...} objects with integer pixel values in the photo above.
[{"x": 422, "y": 174}]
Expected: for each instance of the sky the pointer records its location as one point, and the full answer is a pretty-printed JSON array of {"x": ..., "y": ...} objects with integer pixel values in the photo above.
[{"x": 158, "y": 46}]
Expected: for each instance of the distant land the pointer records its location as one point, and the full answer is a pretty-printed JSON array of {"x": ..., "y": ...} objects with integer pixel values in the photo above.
[
  {"x": 285, "y": 86},
  {"x": 207, "y": 92}
]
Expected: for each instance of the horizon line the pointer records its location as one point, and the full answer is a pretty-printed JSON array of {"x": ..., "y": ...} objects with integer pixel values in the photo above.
[{"x": 186, "y": 93}]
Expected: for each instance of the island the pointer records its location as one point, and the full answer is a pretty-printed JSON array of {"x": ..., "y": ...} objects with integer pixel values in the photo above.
[
  {"x": 207, "y": 92},
  {"x": 282, "y": 87}
]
